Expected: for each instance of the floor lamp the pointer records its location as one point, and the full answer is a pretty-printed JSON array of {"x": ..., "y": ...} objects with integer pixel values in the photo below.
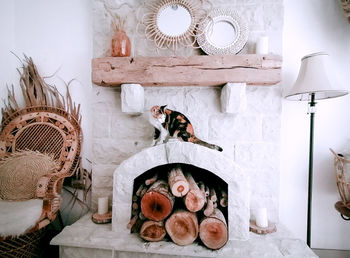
[{"x": 314, "y": 82}]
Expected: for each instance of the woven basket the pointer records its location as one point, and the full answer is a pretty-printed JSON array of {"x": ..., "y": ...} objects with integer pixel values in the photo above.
[
  {"x": 27, "y": 245},
  {"x": 342, "y": 175}
]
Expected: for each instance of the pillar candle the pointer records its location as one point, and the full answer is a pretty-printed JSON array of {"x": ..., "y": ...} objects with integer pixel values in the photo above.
[
  {"x": 261, "y": 217},
  {"x": 262, "y": 46},
  {"x": 102, "y": 205}
]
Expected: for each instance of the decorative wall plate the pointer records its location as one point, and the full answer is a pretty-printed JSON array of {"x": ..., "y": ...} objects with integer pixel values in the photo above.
[
  {"x": 223, "y": 32},
  {"x": 171, "y": 23}
]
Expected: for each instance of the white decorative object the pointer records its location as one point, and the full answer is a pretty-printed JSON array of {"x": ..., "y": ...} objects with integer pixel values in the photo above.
[
  {"x": 132, "y": 97},
  {"x": 262, "y": 46},
  {"x": 171, "y": 23},
  {"x": 223, "y": 32},
  {"x": 102, "y": 205},
  {"x": 233, "y": 98},
  {"x": 261, "y": 217}
]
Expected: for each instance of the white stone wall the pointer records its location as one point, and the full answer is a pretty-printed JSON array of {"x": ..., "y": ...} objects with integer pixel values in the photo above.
[{"x": 250, "y": 138}]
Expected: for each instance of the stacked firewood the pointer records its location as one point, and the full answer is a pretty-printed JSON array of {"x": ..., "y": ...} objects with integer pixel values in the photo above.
[{"x": 178, "y": 206}]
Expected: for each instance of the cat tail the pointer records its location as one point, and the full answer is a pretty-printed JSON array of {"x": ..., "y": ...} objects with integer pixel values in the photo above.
[{"x": 208, "y": 145}]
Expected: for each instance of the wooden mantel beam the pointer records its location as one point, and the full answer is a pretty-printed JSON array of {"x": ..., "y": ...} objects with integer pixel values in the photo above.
[{"x": 187, "y": 71}]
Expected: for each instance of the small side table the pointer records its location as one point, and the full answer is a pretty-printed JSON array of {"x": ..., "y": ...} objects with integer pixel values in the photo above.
[{"x": 344, "y": 211}]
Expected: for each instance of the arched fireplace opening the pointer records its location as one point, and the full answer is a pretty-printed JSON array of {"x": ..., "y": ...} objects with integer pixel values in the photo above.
[
  {"x": 165, "y": 195},
  {"x": 205, "y": 164}
]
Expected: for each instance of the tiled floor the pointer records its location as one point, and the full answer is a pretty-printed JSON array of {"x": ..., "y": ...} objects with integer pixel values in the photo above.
[{"x": 324, "y": 253}]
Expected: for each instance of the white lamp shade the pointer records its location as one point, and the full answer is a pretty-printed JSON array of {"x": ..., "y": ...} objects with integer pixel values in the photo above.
[{"x": 315, "y": 76}]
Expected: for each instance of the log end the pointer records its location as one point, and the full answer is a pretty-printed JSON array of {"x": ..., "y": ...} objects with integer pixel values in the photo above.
[
  {"x": 213, "y": 233},
  {"x": 152, "y": 231},
  {"x": 180, "y": 188},
  {"x": 156, "y": 206},
  {"x": 194, "y": 200},
  {"x": 182, "y": 227}
]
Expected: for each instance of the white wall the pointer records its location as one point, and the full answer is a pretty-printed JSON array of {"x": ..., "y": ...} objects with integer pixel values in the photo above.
[
  {"x": 57, "y": 35},
  {"x": 312, "y": 26},
  {"x": 6, "y": 45}
]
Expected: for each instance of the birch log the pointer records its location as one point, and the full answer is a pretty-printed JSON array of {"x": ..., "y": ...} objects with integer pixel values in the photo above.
[
  {"x": 210, "y": 207},
  {"x": 177, "y": 182},
  {"x": 223, "y": 198},
  {"x": 151, "y": 180},
  {"x": 152, "y": 231},
  {"x": 132, "y": 222},
  {"x": 157, "y": 203},
  {"x": 195, "y": 198},
  {"x": 182, "y": 227},
  {"x": 213, "y": 230}
]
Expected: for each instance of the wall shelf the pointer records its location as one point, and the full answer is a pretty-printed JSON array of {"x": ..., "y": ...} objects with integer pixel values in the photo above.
[{"x": 262, "y": 70}]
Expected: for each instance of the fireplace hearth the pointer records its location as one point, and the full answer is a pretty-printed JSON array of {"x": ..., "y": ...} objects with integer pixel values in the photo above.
[{"x": 203, "y": 160}]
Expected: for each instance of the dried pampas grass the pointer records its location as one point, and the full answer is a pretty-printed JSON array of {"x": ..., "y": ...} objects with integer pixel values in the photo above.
[{"x": 36, "y": 92}]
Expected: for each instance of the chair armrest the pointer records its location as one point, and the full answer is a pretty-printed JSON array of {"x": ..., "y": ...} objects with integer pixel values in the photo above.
[{"x": 49, "y": 186}]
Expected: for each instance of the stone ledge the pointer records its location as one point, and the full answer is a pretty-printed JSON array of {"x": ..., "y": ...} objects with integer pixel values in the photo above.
[{"x": 86, "y": 237}]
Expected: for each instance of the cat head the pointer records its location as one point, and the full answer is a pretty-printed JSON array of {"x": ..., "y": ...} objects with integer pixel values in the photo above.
[{"x": 158, "y": 112}]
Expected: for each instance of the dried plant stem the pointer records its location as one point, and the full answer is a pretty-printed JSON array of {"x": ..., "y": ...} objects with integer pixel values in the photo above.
[{"x": 36, "y": 92}]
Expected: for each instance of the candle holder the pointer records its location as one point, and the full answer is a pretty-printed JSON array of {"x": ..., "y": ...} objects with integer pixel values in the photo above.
[
  {"x": 102, "y": 216},
  {"x": 261, "y": 224},
  {"x": 271, "y": 228}
]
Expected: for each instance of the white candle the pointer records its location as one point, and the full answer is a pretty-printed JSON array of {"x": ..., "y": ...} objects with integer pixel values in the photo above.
[
  {"x": 261, "y": 217},
  {"x": 102, "y": 205},
  {"x": 262, "y": 46}
]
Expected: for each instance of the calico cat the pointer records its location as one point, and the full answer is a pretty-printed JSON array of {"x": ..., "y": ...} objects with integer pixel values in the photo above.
[{"x": 166, "y": 121}]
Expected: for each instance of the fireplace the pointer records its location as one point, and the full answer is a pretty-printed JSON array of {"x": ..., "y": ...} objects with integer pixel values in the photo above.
[{"x": 203, "y": 159}]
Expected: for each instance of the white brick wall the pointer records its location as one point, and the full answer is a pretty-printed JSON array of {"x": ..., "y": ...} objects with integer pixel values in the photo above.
[{"x": 250, "y": 138}]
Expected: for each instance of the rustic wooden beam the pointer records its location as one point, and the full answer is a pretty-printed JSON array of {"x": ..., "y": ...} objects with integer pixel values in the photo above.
[{"x": 187, "y": 71}]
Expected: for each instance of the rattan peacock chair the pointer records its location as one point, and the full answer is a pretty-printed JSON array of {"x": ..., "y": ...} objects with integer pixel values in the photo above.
[{"x": 48, "y": 125}]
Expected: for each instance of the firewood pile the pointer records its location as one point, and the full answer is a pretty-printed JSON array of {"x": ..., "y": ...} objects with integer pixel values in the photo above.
[{"x": 181, "y": 205}]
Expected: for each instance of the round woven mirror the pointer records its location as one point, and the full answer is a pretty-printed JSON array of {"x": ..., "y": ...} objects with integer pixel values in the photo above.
[
  {"x": 224, "y": 32},
  {"x": 171, "y": 24}
]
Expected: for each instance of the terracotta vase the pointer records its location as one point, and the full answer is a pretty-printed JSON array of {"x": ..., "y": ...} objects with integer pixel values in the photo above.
[{"x": 121, "y": 45}]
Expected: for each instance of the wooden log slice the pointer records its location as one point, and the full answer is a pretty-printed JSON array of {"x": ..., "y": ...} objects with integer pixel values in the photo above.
[
  {"x": 182, "y": 227},
  {"x": 213, "y": 230},
  {"x": 210, "y": 208},
  {"x": 223, "y": 202},
  {"x": 195, "y": 198},
  {"x": 271, "y": 228},
  {"x": 152, "y": 179},
  {"x": 158, "y": 202},
  {"x": 102, "y": 218},
  {"x": 152, "y": 231},
  {"x": 177, "y": 182}
]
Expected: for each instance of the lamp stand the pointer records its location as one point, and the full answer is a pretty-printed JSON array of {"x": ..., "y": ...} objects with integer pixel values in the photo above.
[{"x": 312, "y": 104}]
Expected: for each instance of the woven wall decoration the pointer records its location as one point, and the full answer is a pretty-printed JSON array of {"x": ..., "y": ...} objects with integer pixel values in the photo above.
[{"x": 171, "y": 24}]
